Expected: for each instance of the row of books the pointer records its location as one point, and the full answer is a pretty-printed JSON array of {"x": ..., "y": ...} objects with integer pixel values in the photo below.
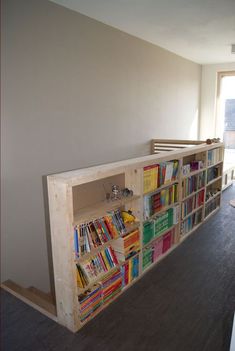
[
  {"x": 127, "y": 245},
  {"x": 214, "y": 156},
  {"x": 155, "y": 227},
  {"x": 213, "y": 173},
  {"x": 193, "y": 183},
  {"x": 90, "y": 301},
  {"x": 153, "y": 203},
  {"x": 189, "y": 223},
  {"x": 158, "y": 248},
  {"x": 96, "y": 266},
  {"x": 130, "y": 270},
  {"x": 90, "y": 235},
  {"x": 212, "y": 205},
  {"x": 160, "y": 174},
  {"x": 99, "y": 294},
  {"x": 111, "y": 286},
  {"x": 192, "y": 203},
  {"x": 191, "y": 167}
]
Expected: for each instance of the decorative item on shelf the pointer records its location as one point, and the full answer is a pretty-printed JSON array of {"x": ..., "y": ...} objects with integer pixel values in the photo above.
[
  {"x": 116, "y": 193},
  {"x": 126, "y": 192},
  {"x": 211, "y": 141},
  {"x": 128, "y": 216}
]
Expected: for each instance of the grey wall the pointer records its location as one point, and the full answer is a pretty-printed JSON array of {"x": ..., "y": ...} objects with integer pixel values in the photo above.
[{"x": 76, "y": 93}]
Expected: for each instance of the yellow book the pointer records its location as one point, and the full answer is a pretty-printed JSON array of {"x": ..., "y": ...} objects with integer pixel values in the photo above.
[
  {"x": 167, "y": 197},
  {"x": 105, "y": 260},
  {"x": 150, "y": 178},
  {"x": 79, "y": 280},
  {"x": 172, "y": 194}
]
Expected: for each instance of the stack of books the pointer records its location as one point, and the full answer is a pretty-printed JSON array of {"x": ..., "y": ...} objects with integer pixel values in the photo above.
[
  {"x": 130, "y": 270},
  {"x": 160, "y": 174},
  {"x": 193, "y": 183},
  {"x": 148, "y": 231},
  {"x": 127, "y": 245},
  {"x": 153, "y": 203},
  {"x": 189, "y": 223},
  {"x": 155, "y": 227},
  {"x": 163, "y": 222},
  {"x": 111, "y": 285},
  {"x": 192, "y": 203},
  {"x": 96, "y": 266},
  {"x": 159, "y": 247},
  {"x": 168, "y": 172},
  {"x": 90, "y": 301},
  {"x": 88, "y": 236},
  {"x": 213, "y": 173},
  {"x": 214, "y": 156}
]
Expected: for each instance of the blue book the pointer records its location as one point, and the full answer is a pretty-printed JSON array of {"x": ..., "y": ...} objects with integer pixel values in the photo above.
[{"x": 76, "y": 244}]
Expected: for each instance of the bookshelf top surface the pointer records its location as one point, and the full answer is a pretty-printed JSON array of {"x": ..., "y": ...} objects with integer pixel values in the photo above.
[{"x": 85, "y": 175}]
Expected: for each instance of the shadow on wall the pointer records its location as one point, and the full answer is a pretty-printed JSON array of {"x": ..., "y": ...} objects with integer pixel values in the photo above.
[{"x": 48, "y": 236}]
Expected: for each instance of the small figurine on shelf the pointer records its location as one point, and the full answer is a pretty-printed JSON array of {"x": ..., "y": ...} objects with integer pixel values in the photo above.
[
  {"x": 116, "y": 193},
  {"x": 127, "y": 192},
  {"x": 211, "y": 141}
]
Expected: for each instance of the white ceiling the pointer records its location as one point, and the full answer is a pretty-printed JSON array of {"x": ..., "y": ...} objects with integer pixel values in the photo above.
[{"x": 200, "y": 30}]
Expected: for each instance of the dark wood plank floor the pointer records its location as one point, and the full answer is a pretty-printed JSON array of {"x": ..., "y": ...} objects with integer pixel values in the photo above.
[{"x": 186, "y": 303}]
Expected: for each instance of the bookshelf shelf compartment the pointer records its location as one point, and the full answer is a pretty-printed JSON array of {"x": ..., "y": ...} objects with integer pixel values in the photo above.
[
  {"x": 164, "y": 209},
  {"x": 192, "y": 212},
  {"x": 215, "y": 164},
  {"x": 159, "y": 236},
  {"x": 214, "y": 180},
  {"x": 213, "y": 197},
  {"x": 100, "y": 209},
  {"x": 173, "y": 247},
  {"x": 96, "y": 281},
  {"x": 194, "y": 193},
  {"x": 194, "y": 173},
  {"x": 212, "y": 213},
  {"x": 78, "y": 197},
  {"x": 161, "y": 188}
]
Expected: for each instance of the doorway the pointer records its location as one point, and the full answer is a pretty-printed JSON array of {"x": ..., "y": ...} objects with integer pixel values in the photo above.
[{"x": 225, "y": 119}]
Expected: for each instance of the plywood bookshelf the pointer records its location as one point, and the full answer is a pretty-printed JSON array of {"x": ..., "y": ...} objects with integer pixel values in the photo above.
[{"x": 79, "y": 196}]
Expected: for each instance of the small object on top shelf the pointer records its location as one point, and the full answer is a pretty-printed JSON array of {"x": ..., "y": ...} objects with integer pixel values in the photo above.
[{"x": 211, "y": 141}]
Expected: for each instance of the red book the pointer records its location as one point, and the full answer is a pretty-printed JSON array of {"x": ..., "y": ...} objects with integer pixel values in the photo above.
[
  {"x": 113, "y": 255},
  {"x": 166, "y": 242},
  {"x": 126, "y": 267},
  {"x": 108, "y": 227}
]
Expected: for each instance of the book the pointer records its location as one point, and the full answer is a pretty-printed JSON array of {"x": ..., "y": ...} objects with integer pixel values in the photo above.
[
  {"x": 150, "y": 178},
  {"x": 96, "y": 266},
  {"x": 168, "y": 172}
]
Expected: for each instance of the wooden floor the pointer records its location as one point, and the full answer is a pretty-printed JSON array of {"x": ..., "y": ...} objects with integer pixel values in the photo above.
[{"x": 186, "y": 303}]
